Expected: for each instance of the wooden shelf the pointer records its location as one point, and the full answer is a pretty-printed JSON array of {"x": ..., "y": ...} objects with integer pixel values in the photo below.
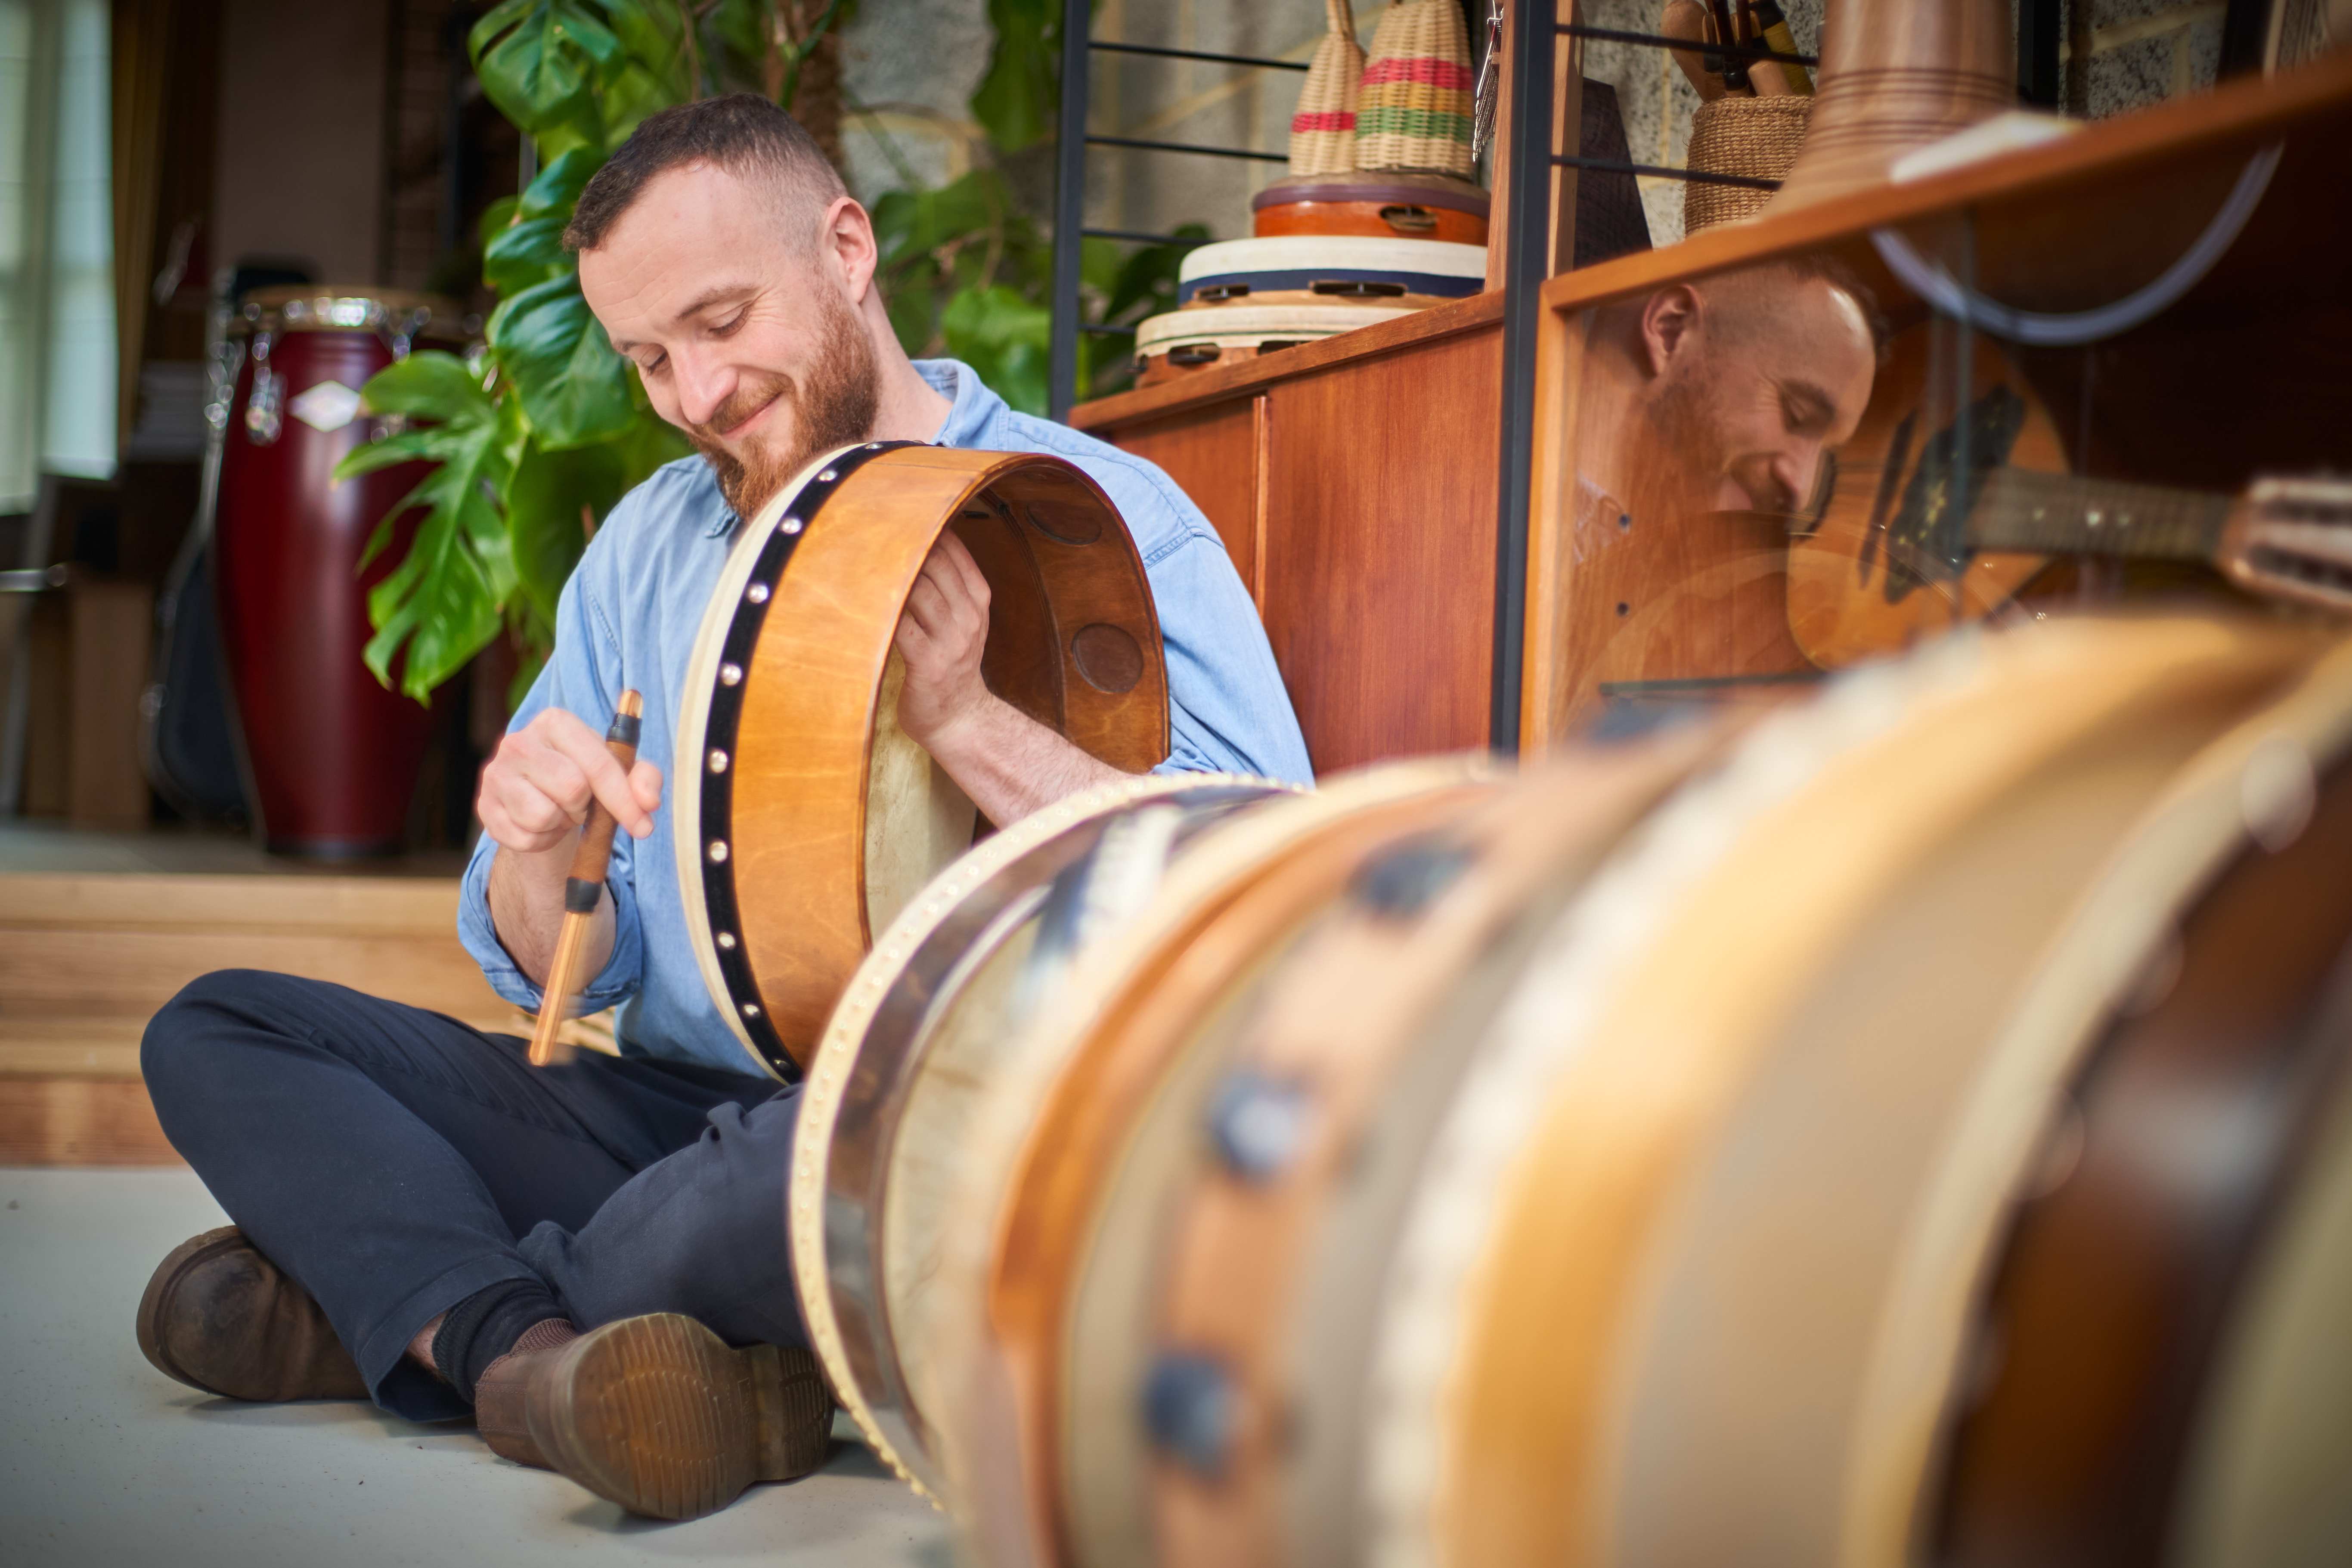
[{"x": 2096, "y": 173}]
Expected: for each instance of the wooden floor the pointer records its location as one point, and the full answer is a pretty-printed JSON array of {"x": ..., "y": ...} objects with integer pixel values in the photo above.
[{"x": 98, "y": 931}]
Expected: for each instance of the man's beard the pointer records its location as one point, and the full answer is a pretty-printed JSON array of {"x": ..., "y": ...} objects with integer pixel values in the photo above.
[
  {"x": 833, "y": 405},
  {"x": 1697, "y": 456}
]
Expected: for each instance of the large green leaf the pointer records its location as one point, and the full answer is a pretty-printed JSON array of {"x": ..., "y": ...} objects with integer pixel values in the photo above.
[
  {"x": 1016, "y": 101},
  {"x": 573, "y": 387},
  {"x": 1146, "y": 277},
  {"x": 537, "y": 58},
  {"x": 428, "y": 385},
  {"x": 553, "y": 502},
  {"x": 529, "y": 250},
  {"x": 555, "y": 190},
  {"x": 1004, "y": 337}
]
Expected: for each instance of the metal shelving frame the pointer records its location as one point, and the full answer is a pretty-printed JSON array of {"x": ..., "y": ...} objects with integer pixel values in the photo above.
[{"x": 1070, "y": 183}]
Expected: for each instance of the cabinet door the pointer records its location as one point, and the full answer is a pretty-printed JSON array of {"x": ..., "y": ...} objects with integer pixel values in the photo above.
[
  {"x": 1213, "y": 453},
  {"x": 1377, "y": 583}
]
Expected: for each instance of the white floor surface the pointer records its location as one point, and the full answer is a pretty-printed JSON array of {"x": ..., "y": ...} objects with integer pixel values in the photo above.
[{"x": 103, "y": 1460}]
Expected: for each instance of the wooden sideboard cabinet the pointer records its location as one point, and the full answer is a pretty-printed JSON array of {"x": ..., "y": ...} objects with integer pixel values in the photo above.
[{"x": 1353, "y": 483}]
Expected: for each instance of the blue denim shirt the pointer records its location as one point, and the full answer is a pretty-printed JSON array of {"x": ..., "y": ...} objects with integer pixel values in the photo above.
[{"x": 629, "y": 616}]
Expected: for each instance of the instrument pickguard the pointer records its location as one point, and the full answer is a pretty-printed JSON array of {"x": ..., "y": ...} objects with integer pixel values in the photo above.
[{"x": 1926, "y": 538}]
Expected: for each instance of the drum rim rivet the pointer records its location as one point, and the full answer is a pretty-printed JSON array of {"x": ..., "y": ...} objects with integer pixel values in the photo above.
[
  {"x": 757, "y": 593},
  {"x": 827, "y": 476},
  {"x": 792, "y": 525},
  {"x": 726, "y": 939},
  {"x": 718, "y": 761},
  {"x": 718, "y": 851},
  {"x": 751, "y": 1009},
  {"x": 730, "y": 674}
]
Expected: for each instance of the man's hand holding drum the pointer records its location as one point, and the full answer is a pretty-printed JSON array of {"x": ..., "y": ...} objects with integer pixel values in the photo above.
[{"x": 1006, "y": 760}]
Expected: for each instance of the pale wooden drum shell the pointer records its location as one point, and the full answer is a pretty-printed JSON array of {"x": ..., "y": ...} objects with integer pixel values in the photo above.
[
  {"x": 911, "y": 1048},
  {"x": 1058, "y": 1121},
  {"x": 1257, "y": 1267},
  {"x": 1898, "y": 1111},
  {"x": 1523, "y": 1282}
]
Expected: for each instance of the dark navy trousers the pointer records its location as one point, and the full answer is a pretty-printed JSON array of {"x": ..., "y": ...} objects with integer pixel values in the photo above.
[{"x": 396, "y": 1161}]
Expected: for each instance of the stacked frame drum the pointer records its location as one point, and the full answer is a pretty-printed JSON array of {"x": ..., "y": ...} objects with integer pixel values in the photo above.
[{"x": 1911, "y": 1125}]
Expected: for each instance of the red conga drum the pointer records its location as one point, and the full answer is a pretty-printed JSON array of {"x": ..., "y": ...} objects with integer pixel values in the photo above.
[{"x": 333, "y": 755}]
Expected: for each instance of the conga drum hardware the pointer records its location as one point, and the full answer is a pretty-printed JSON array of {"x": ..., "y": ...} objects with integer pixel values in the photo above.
[
  {"x": 396, "y": 320},
  {"x": 921, "y": 1032},
  {"x": 1608, "y": 1335},
  {"x": 814, "y": 818}
]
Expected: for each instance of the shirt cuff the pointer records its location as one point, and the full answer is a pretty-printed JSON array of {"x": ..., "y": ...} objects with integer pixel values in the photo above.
[{"x": 615, "y": 982}]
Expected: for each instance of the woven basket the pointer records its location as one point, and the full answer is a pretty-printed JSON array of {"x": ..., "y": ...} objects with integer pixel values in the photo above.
[
  {"x": 1413, "y": 110},
  {"x": 1757, "y": 137},
  {"x": 1323, "y": 130}
]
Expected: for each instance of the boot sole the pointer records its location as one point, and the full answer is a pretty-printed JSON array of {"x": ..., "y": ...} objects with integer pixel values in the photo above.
[{"x": 658, "y": 1415}]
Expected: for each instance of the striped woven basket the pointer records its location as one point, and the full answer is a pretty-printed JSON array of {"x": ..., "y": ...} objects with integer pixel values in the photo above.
[
  {"x": 1323, "y": 131},
  {"x": 1413, "y": 110}
]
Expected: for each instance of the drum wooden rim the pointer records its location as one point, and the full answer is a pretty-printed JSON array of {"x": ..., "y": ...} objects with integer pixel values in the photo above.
[
  {"x": 1335, "y": 254},
  {"x": 1245, "y": 326},
  {"x": 800, "y": 641},
  {"x": 1386, "y": 187},
  {"x": 1370, "y": 219},
  {"x": 1895, "y": 758},
  {"x": 1346, "y": 1009},
  {"x": 1062, "y": 1118},
  {"x": 835, "y": 1064},
  {"x": 2184, "y": 841},
  {"x": 1846, "y": 1116},
  {"x": 694, "y": 709}
]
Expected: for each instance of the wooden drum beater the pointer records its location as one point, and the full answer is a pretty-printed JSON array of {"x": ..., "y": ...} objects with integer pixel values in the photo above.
[{"x": 582, "y": 889}]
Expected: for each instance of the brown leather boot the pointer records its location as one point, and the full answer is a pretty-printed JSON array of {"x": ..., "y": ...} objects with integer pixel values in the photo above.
[
  {"x": 221, "y": 1317},
  {"x": 499, "y": 1394},
  {"x": 658, "y": 1415}
]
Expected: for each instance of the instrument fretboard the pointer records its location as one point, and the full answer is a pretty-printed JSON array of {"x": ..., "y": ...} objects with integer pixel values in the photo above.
[{"x": 2061, "y": 514}]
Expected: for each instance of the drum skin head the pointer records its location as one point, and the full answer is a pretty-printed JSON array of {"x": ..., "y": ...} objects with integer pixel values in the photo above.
[{"x": 813, "y": 817}]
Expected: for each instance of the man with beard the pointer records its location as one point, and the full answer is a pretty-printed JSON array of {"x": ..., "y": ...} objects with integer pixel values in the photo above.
[
  {"x": 1722, "y": 394},
  {"x": 589, "y": 1258}
]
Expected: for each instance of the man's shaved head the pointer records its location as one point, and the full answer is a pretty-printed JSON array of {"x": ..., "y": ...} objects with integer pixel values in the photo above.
[{"x": 742, "y": 134}]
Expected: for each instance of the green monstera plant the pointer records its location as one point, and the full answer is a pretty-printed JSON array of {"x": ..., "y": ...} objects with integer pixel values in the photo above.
[{"x": 536, "y": 436}]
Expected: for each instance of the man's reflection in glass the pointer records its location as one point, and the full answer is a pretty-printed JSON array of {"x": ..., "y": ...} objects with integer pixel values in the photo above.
[{"x": 1722, "y": 394}]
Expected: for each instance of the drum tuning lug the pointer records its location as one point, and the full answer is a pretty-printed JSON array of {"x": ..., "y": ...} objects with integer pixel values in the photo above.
[
  {"x": 718, "y": 851},
  {"x": 1402, "y": 883},
  {"x": 757, "y": 593},
  {"x": 1257, "y": 1123},
  {"x": 730, "y": 674},
  {"x": 1191, "y": 1408}
]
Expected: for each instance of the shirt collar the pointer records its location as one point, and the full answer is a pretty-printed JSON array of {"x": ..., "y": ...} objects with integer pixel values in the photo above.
[{"x": 970, "y": 406}]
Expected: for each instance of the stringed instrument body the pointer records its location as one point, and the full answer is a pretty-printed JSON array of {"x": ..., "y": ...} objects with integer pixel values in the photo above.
[
  {"x": 1885, "y": 565},
  {"x": 1924, "y": 522}
]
